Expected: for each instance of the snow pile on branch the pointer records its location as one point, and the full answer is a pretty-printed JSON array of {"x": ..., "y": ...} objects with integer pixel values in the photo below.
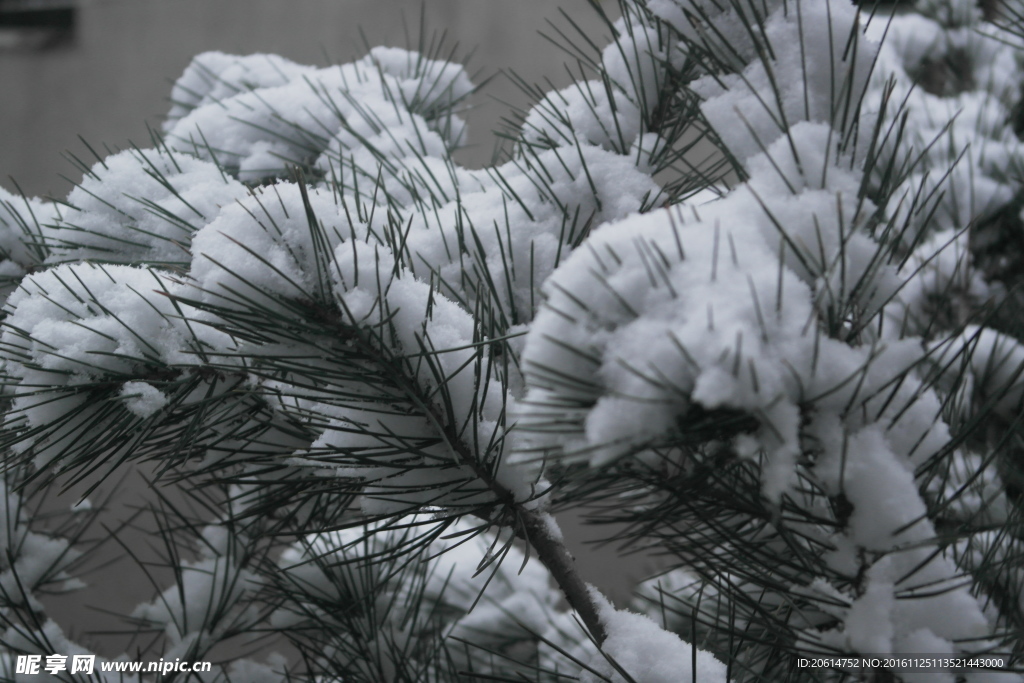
[
  {"x": 141, "y": 206},
  {"x": 357, "y": 234},
  {"x": 330, "y": 577},
  {"x": 640, "y": 649},
  {"x": 24, "y": 224},
  {"x": 956, "y": 158},
  {"x": 266, "y": 113},
  {"x": 300, "y": 291},
  {"x": 765, "y": 306},
  {"x": 74, "y": 327},
  {"x": 810, "y": 65}
]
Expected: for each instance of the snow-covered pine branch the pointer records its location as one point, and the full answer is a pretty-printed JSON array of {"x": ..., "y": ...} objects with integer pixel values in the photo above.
[{"x": 790, "y": 364}]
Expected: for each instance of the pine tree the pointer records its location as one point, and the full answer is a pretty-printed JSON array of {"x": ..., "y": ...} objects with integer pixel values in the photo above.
[{"x": 747, "y": 292}]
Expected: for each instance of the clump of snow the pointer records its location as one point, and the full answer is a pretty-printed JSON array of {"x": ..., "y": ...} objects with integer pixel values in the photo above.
[
  {"x": 423, "y": 321},
  {"x": 752, "y": 109},
  {"x": 953, "y": 120},
  {"x": 76, "y": 326},
  {"x": 82, "y": 321},
  {"x": 141, "y": 206},
  {"x": 30, "y": 561},
  {"x": 143, "y": 398},
  {"x": 635, "y": 60},
  {"x": 239, "y": 102},
  {"x": 382, "y": 129},
  {"x": 215, "y": 76},
  {"x": 951, "y": 13},
  {"x": 587, "y": 110},
  {"x": 868, "y": 625},
  {"x": 941, "y": 265},
  {"x": 996, "y": 367},
  {"x": 24, "y": 224},
  {"x": 729, "y": 40},
  {"x": 335, "y": 571},
  {"x": 926, "y": 204},
  {"x": 709, "y": 308},
  {"x": 200, "y": 604},
  {"x": 262, "y": 250},
  {"x": 646, "y": 652},
  {"x": 44, "y": 638},
  {"x": 514, "y": 229}
]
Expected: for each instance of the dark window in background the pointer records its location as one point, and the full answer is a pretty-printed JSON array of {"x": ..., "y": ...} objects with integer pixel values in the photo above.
[{"x": 36, "y": 24}]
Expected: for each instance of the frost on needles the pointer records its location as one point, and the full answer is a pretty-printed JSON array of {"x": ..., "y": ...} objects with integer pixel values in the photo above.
[{"x": 748, "y": 289}]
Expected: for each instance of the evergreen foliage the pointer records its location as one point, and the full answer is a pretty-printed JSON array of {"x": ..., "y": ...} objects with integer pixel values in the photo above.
[{"x": 748, "y": 291}]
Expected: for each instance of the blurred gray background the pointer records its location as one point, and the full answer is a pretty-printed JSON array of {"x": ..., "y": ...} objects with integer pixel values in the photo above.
[
  {"x": 102, "y": 69},
  {"x": 110, "y": 72}
]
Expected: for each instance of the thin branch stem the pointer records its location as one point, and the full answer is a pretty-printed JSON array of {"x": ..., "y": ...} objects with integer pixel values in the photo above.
[{"x": 562, "y": 565}]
